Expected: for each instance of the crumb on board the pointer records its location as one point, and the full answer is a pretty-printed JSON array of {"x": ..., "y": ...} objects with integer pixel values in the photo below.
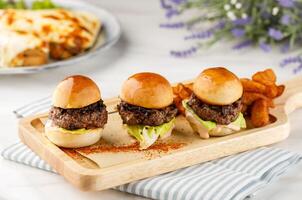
[{"x": 160, "y": 147}]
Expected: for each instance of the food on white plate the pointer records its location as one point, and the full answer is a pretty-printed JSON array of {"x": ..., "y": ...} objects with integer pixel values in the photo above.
[
  {"x": 20, "y": 4},
  {"x": 78, "y": 114},
  {"x": 147, "y": 108},
  {"x": 19, "y": 49},
  {"x": 53, "y": 34},
  {"x": 214, "y": 108}
]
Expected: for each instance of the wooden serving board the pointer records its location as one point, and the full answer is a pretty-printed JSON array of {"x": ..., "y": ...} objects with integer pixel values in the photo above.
[{"x": 113, "y": 162}]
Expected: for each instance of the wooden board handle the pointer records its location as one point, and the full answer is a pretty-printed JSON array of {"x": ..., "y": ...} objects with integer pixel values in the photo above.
[{"x": 292, "y": 97}]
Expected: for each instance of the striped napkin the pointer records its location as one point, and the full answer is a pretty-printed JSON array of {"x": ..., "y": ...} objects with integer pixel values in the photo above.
[{"x": 234, "y": 177}]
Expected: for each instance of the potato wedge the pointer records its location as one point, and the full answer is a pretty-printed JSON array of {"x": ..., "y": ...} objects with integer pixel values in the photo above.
[
  {"x": 260, "y": 113},
  {"x": 178, "y": 103},
  {"x": 271, "y": 91},
  {"x": 266, "y": 77},
  {"x": 189, "y": 86},
  {"x": 248, "y": 98},
  {"x": 280, "y": 89},
  {"x": 181, "y": 92},
  {"x": 252, "y": 86}
]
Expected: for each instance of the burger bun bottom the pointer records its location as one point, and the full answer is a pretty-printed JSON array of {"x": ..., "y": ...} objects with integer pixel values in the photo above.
[
  {"x": 189, "y": 125},
  {"x": 69, "y": 140}
]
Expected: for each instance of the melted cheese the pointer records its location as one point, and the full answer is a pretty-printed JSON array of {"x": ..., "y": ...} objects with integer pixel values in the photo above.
[
  {"x": 13, "y": 43},
  {"x": 29, "y": 28}
]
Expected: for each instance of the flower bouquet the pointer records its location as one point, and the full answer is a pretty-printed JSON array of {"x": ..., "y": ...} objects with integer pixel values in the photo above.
[{"x": 262, "y": 23}]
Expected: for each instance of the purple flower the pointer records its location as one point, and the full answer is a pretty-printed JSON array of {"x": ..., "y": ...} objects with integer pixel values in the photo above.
[
  {"x": 298, "y": 69},
  {"x": 275, "y": 34},
  {"x": 171, "y": 12},
  {"x": 171, "y": 7},
  {"x": 265, "y": 15},
  {"x": 200, "y": 35},
  {"x": 177, "y": 2},
  {"x": 265, "y": 47},
  {"x": 184, "y": 53},
  {"x": 242, "y": 21},
  {"x": 284, "y": 48},
  {"x": 220, "y": 25},
  {"x": 286, "y": 3},
  {"x": 243, "y": 44},
  {"x": 291, "y": 60},
  {"x": 238, "y": 32},
  {"x": 168, "y": 4},
  {"x": 172, "y": 25},
  {"x": 164, "y": 5},
  {"x": 285, "y": 19},
  {"x": 207, "y": 33}
]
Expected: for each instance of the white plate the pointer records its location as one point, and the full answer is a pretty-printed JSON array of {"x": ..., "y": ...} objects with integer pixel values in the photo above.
[{"x": 110, "y": 34}]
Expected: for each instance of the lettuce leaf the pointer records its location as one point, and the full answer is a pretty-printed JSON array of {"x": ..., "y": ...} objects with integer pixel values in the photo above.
[
  {"x": 240, "y": 121},
  {"x": 147, "y": 135},
  {"x": 207, "y": 124}
]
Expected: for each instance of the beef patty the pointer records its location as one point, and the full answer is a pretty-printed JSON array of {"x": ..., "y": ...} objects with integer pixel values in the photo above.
[
  {"x": 219, "y": 114},
  {"x": 136, "y": 115},
  {"x": 90, "y": 117}
]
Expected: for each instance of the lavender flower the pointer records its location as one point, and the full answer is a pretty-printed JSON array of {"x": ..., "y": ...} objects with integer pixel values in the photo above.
[
  {"x": 199, "y": 35},
  {"x": 172, "y": 25},
  {"x": 243, "y": 44},
  {"x": 298, "y": 69},
  {"x": 164, "y": 5},
  {"x": 172, "y": 12},
  {"x": 285, "y": 48},
  {"x": 184, "y": 53},
  {"x": 242, "y": 21},
  {"x": 286, "y": 3},
  {"x": 275, "y": 34},
  {"x": 265, "y": 47},
  {"x": 285, "y": 20},
  {"x": 265, "y": 15},
  {"x": 177, "y": 2},
  {"x": 170, "y": 8},
  {"x": 291, "y": 60},
  {"x": 207, "y": 33},
  {"x": 238, "y": 32},
  {"x": 265, "y": 23}
]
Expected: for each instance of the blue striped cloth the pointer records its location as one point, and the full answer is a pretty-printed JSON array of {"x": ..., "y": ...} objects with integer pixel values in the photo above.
[{"x": 234, "y": 177}]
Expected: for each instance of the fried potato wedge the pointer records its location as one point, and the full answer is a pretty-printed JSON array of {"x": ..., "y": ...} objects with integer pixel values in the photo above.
[
  {"x": 181, "y": 92},
  {"x": 260, "y": 113},
  {"x": 189, "y": 86},
  {"x": 266, "y": 77},
  {"x": 244, "y": 108},
  {"x": 248, "y": 98},
  {"x": 280, "y": 89},
  {"x": 252, "y": 86},
  {"x": 178, "y": 103},
  {"x": 271, "y": 91}
]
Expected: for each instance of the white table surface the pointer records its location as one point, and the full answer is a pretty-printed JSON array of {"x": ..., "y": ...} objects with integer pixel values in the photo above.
[{"x": 143, "y": 47}]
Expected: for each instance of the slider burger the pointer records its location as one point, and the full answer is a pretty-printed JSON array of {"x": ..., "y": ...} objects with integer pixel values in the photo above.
[
  {"x": 78, "y": 114},
  {"x": 214, "y": 109},
  {"x": 147, "y": 108}
]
